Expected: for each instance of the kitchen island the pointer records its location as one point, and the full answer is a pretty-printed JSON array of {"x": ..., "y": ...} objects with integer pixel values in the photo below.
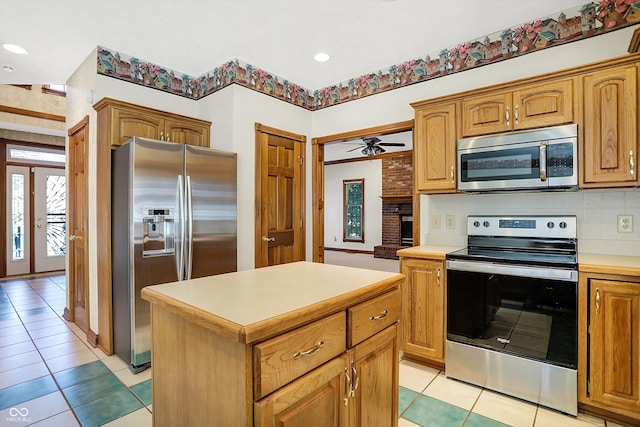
[{"x": 295, "y": 343}]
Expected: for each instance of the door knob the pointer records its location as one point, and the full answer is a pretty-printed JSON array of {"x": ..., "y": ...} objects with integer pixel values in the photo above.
[
  {"x": 39, "y": 225},
  {"x": 268, "y": 239},
  {"x": 73, "y": 237}
]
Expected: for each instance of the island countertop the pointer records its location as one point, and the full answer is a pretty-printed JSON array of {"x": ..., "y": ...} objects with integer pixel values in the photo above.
[{"x": 251, "y": 305}]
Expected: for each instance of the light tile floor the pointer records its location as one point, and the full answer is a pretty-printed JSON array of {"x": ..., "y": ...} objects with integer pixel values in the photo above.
[{"x": 50, "y": 376}]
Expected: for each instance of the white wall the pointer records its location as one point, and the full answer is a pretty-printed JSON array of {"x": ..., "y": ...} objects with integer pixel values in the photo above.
[
  {"x": 596, "y": 210},
  {"x": 234, "y": 112},
  {"x": 371, "y": 171}
]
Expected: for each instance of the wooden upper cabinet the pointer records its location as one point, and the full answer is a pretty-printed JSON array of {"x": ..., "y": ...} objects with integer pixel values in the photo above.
[
  {"x": 539, "y": 105},
  {"x": 435, "y": 148},
  {"x": 123, "y": 121},
  {"x": 611, "y": 128}
]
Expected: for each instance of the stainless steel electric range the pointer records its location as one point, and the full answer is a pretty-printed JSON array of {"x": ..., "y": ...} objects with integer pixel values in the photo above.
[{"x": 512, "y": 308}]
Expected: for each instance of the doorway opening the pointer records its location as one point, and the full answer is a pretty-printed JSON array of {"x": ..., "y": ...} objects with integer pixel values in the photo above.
[{"x": 35, "y": 206}]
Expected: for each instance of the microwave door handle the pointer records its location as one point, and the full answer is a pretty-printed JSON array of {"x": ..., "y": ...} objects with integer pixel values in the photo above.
[{"x": 543, "y": 161}]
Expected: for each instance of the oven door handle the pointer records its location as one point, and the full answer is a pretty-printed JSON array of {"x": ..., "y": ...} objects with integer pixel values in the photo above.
[{"x": 508, "y": 270}]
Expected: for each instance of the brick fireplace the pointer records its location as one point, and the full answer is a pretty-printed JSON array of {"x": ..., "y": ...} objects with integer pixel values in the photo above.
[{"x": 397, "y": 205}]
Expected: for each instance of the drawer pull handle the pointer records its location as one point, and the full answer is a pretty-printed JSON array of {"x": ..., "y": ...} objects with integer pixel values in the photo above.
[
  {"x": 309, "y": 352},
  {"x": 379, "y": 316}
]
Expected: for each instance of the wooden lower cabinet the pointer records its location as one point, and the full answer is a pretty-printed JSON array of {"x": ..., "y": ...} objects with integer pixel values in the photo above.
[
  {"x": 423, "y": 310},
  {"x": 358, "y": 388},
  {"x": 339, "y": 370},
  {"x": 609, "y": 373}
]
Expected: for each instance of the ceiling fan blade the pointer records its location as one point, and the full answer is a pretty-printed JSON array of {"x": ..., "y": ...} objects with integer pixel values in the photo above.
[
  {"x": 392, "y": 144},
  {"x": 353, "y": 149}
]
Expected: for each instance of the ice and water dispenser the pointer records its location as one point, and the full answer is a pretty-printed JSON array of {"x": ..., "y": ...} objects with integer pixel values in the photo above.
[{"x": 158, "y": 232}]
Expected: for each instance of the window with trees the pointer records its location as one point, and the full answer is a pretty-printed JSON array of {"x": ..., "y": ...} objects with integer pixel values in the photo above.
[{"x": 353, "y": 210}]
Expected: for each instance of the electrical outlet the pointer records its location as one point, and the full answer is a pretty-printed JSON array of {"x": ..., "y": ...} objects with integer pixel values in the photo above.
[
  {"x": 625, "y": 223},
  {"x": 435, "y": 221},
  {"x": 451, "y": 222}
]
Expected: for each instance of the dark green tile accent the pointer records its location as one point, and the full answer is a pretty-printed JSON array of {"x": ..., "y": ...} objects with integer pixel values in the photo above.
[
  {"x": 477, "y": 420},
  {"x": 81, "y": 373},
  {"x": 24, "y": 392},
  {"x": 143, "y": 391},
  {"x": 429, "y": 412},
  {"x": 34, "y": 311},
  {"x": 405, "y": 397},
  {"x": 93, "y": 389},
  {"x": 107, "y": 408}
]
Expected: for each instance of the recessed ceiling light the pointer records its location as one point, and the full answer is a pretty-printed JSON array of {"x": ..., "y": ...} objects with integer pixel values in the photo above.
[
  {"x": 15, "y": 49},
  {"x": 8, "y": 68},
  {"x": 321, "y": 57}
]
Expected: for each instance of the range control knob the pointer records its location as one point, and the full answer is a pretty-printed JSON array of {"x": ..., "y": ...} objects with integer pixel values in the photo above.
[
  {"x": 476, "y": 223},
  {"x": 563, "y": 225},
  {"x": 550, "y": 224},
  {"x": 486, "y": 223}
]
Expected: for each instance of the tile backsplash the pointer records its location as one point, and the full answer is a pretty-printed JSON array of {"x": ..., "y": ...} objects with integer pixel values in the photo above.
[{"x": 596, "y": 211}]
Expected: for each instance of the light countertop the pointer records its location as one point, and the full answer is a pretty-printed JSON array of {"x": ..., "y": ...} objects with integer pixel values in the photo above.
[
  {"x": 611, "y": 264},
  {"x": 242, "y": 304},
  {"x": 428, "y": 251}
]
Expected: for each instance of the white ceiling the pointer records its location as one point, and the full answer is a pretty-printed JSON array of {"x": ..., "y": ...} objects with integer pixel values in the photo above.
[{"x": 279, "y": 36}]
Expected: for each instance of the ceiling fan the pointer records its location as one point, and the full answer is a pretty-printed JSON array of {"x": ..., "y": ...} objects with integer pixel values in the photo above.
[{"x": 373, "y": 145}]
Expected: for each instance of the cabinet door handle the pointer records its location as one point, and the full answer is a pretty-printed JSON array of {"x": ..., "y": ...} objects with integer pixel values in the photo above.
[
  {"x": 515, "y": 114},
  {"x": 348, "y": 389},
  {"x": 453, "y": 175},
  {"x": 507, "y": 116},
  {"x": 356, "y": 379},
  {"x": 632, "y": 163},
  {"x": 438, "y": 277},
  {"x": 309, "y": 352},
  {"x": 161, "y": 136},
  {"x": 379, "y": 316},
  {"x": 268, "y": 239},
  {"x": 597, "y": 300}
]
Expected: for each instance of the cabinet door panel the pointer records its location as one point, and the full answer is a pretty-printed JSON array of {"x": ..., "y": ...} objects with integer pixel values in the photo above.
[
  {"x": 615, "y": 343},
  {"x": 376, "y": 362},
  {"x": 126, "y": 124},
  {"x": 486, "y": 114},
  {"x": 548, "y": 104},
  {"x": 186, "y": 133},
  {"x": 423, "y": 308},
  {"x": 315, "y": 400},
  {"x": 611, "y": 126},
  {"x": 435, "y": 148}
]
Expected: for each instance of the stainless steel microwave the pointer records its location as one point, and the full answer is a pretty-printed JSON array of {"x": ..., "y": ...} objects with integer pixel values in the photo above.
[{"x": 537, "y": 159}]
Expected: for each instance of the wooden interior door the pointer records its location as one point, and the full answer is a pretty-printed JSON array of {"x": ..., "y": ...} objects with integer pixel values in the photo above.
[
  {"x": 279, "y": 235},
  {"x": 78, "y": 273}
]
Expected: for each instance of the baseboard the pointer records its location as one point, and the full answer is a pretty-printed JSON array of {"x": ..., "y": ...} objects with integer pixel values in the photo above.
[
  {"x": 349, "y": 251},
  {"x": 92, "y": 338}
]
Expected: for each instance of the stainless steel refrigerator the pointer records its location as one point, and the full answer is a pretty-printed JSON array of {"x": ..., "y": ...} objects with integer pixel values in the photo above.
[{"x": 173, "y": 218}]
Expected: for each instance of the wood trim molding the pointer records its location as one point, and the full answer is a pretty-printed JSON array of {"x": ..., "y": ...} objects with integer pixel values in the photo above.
[
  {"x": 259, "y": 127},
  {"x": 67, "y": 314},
  {"x": 360, "y": 133},
  {"x": 92, "y": 338},
  {"x": 348, "y": 251},
  {"x": 31, "y": 113}
]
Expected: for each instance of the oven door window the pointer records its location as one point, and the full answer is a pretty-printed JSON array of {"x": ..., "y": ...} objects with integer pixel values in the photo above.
[
  {"x": 507, "y": 164},
  {"x": 533, "y": 318}
]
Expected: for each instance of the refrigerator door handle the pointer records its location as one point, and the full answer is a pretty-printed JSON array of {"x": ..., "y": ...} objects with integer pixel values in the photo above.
[
  {"x": 189, "y": 235},
  {"x": 181, "y": 238}
]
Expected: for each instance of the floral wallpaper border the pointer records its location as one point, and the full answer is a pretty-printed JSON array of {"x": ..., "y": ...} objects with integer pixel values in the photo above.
[{"x": 583, "y": 21}]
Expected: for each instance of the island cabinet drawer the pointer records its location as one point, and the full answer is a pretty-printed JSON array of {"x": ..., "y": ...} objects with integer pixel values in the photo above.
[
  {"x": 370, "y": 317},
  {"x": 282, "y": 359}
]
